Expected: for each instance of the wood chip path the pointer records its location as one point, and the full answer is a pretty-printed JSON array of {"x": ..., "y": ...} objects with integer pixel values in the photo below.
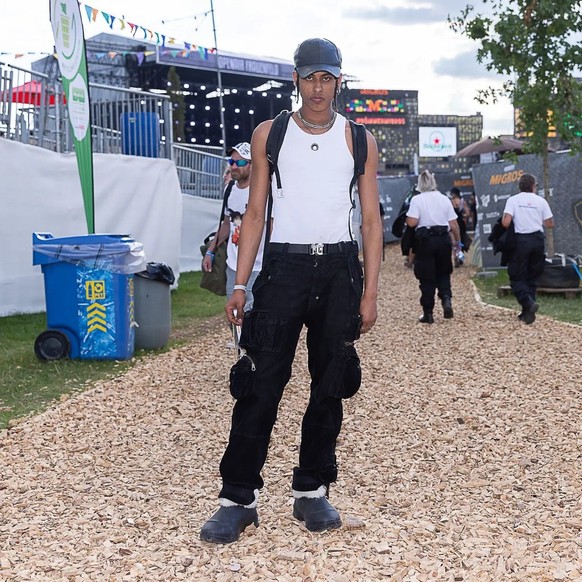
[{"x": 460, "y": 460}]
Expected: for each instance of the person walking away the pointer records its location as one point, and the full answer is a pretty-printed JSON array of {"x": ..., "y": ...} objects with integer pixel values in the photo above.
[
  {"x": 240, "y": 164},
  {"x": 312, "y": 276},
  {"x": 432, "y": 215},
  {"x": 472, "y": 222},
  {"x": 530, "y": 213},
  {"x": 462, "y": 213}
]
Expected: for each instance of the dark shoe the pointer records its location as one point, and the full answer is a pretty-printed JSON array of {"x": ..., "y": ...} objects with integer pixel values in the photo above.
[
  {"x": 520, "y": 316},
  {"x": 317, "y": 513},
  {"x": 226, "y": 525},
  {"x": 447, "y": 308},
  {"x": 426, "y": 318},
  {"x": 529, "y": 313}
]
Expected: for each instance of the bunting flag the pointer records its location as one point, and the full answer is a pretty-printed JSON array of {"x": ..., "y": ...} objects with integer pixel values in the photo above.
[
  {"x": 149, "y": 35},
  {"x": 65, "y": 17},
  {"x": 19, "y": 55}
]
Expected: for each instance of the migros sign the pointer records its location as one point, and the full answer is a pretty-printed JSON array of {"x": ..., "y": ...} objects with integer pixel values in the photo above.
[{"x": 506, "y": 177}]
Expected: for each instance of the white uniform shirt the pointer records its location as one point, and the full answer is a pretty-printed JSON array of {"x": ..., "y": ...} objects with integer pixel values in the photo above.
[
  {"x": 235, "y": 210},
  {"x": 431, "y": 209},
  {"x": 528, "y": 210}
]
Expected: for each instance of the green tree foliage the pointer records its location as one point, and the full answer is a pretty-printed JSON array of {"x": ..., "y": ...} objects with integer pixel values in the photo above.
[
  {"x": 537, "y": 45},
  {"x": 176, "y": 94}
]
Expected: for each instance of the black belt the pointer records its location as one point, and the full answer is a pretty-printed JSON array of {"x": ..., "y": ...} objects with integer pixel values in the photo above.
[
  {"x": 433, "y": 230},
  {"x": 315, "y": 248}
]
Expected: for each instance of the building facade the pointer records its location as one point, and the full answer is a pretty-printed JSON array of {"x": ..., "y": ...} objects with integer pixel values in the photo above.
[{"x": 409, "y": 142}]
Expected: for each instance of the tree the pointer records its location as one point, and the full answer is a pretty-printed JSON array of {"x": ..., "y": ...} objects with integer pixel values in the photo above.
[
  {"x": 537, "y": 43},
  {"x": 176, "y": 94}
]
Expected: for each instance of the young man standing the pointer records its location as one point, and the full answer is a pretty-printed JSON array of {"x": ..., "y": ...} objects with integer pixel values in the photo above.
[
  {"x": 312, "y": 277},
  {"x": 529, "y": 213}
]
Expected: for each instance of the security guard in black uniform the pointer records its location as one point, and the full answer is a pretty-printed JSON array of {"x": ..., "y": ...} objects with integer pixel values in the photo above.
[
  {"x": 432, "y": 215},
  {"x": 529, "y": 213}
]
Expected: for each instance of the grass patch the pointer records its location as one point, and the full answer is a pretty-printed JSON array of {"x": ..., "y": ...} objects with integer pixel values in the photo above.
[
  {"x": 28, "y": 385},
  {"x": 555, "y": 306}
]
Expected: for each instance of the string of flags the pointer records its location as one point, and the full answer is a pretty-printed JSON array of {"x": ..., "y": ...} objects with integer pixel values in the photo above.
[
  {"x": 175, "y": 48},
  {"x": 170, "y": 45},
  {"x": 20, "y": 55}
]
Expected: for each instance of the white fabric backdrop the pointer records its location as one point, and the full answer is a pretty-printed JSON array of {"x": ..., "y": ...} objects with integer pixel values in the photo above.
[
  {"x": 40, "y": 191},
  {"x": 199, "y": 218}
]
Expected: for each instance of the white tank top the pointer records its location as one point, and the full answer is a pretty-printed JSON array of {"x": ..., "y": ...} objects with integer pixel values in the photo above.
[{"x": 316, "y": 171}]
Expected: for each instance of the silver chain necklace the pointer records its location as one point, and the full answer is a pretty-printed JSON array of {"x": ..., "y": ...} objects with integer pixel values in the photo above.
[{"x": 315, "y": 125}]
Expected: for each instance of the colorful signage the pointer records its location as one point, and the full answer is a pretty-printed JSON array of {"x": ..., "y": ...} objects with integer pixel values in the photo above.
[
  {"x": 377, "y": 101},
  {"x": 381, "y": 120},
  {"x": 437, "y": 142}
]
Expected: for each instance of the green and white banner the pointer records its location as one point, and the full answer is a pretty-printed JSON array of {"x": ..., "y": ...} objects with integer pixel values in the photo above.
[{"x": 67, "y": 28}]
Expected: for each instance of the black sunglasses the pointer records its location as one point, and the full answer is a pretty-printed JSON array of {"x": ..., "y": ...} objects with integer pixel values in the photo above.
[{"x": 238, "y": 163}]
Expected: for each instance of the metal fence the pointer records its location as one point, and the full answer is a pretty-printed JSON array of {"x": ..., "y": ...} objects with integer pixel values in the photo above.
[
  {"x": 123, "y": 121},
  {"x": 200, "y": 173}
]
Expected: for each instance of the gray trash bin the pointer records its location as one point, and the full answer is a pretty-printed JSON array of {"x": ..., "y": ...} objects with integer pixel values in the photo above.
[{"x": 153, "y": 306}]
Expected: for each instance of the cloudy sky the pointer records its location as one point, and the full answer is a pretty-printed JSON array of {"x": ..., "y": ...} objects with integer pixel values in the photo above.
[{"x": 386, "y": 44}]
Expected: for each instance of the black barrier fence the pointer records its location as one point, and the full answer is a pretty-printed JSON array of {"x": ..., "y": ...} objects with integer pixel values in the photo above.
[{"x": 497, "y": 181}]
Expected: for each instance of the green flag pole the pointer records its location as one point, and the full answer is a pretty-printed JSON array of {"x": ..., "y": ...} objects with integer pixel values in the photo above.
[{"x": 65, "y": 16}]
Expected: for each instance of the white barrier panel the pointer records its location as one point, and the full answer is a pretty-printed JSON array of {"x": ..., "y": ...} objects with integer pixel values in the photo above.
[
  {"x": 40, "y": 191},
  {"x": 199, "y": 218}
]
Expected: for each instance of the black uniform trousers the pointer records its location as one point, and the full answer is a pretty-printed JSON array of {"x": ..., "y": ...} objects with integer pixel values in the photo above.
[
  {"x": 526, "y": 263},
  {"x": 433, "y": 264},
  {"x": 323, "y": 293}
]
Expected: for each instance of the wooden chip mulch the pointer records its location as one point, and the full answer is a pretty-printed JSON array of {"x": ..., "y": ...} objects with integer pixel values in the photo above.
[{"x": 460, "y": 459}]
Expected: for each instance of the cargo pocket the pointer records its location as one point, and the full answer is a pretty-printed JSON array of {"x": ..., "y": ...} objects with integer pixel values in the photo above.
[
  {"x": 261, "y": 332},
  {"x": 343, "y": 376},
  {"x": 242, "y": 377},
  {"x": 352, "y": 376}
]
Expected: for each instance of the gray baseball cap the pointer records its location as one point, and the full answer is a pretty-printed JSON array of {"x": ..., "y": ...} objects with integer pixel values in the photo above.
[{"x": 317, "y": 54}]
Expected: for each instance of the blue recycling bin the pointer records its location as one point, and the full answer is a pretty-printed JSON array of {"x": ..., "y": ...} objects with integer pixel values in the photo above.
[{"x": 88, "y": 282}]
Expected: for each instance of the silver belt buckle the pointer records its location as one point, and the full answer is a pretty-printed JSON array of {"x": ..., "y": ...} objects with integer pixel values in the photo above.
[{"x": 316, "y": 249}]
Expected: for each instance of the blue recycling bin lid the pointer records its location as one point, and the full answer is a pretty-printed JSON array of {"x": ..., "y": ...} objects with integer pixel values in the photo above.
[{"x": 119, "y": 253}]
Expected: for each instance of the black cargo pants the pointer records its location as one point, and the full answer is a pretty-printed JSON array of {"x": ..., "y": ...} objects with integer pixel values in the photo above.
[
  {"x": 323, "y": 293},
  {"x": 525, "y": 265},
  {"x": 433, "y": 264}
]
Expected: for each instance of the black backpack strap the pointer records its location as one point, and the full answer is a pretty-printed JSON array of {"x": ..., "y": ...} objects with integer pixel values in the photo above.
[
  {"x": 273, "y": 147},
  {"x": 360, "y": 152},
  {"x": 227, "y": 192},
  {"x": 274, "y": 143},
  {"x": 360, "y": 148},
  {"x": 225, "y": 196}
]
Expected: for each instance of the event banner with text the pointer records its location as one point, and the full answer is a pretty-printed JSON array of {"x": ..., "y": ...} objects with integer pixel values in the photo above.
[{"x": 67, "y": 28}]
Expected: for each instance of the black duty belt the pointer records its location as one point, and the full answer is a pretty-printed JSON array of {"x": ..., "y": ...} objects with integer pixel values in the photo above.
[
  {"x": 432, "y": 230},
  {"x": 315, "y": 248}
]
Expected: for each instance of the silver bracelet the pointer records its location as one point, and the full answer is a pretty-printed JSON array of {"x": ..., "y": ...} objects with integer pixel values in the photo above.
[{"x": 240, "y": 288}]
